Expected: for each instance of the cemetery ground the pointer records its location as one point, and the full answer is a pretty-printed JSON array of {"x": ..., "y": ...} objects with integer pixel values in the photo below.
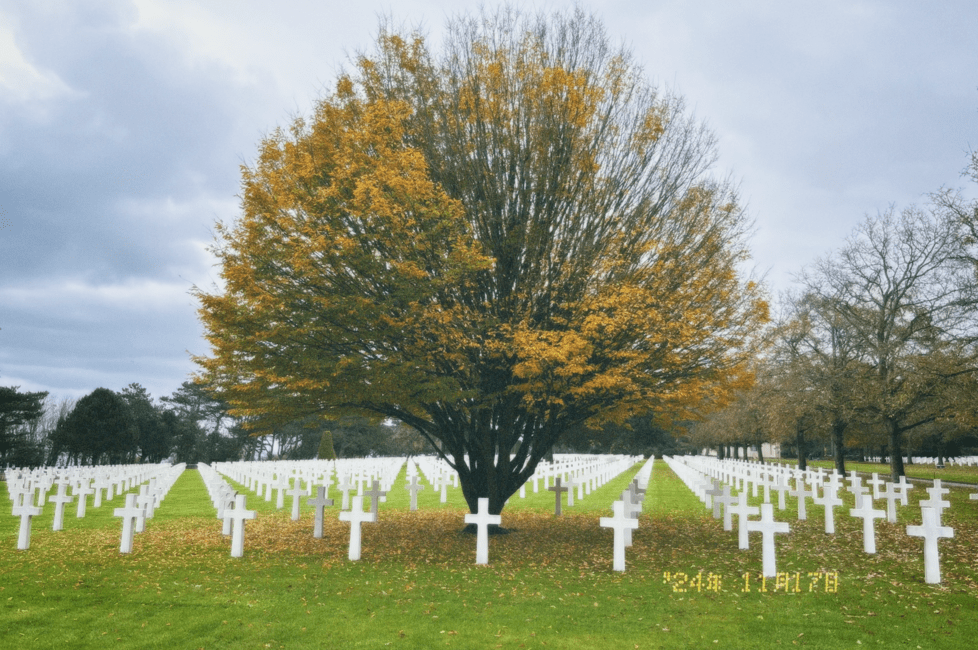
[{"x": 548, "y": 584}]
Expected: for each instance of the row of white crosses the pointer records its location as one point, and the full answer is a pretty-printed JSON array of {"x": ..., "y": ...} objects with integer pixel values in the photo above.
[
  {"x": 28, "y": 490},
  {"x": 625, "y": 514},
  {"x": 625, "y": 517},
  {"x": 573, "y": 475},
  {"x": 232, "y": 508},
  {"x": 830, "y": 485},
  {"x": 140, "y": 507},
  {"x": 707, "y": 488},
  {"x": 261, "y": 476},
  {"x": 317, "y": 477}
]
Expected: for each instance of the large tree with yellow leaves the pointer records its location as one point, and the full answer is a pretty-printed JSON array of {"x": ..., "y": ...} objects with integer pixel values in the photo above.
[{"x": 492, "y": 245}]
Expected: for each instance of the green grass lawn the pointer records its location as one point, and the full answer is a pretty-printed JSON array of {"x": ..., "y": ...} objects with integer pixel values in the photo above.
[{"x": 549, "y": 583}]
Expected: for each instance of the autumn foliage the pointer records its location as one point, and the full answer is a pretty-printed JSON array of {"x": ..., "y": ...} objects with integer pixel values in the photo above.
[{"x": 494, "y": 245}]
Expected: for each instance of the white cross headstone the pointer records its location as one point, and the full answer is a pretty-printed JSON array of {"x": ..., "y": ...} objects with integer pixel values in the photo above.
[
  {"x": 482, "y": 519},
  {"x": 743, "y": 512},
  {"x": 280, "y": 487},
  {"x": 868, "y": 513},
  {"x": 802, "y": 495},
  {"x": 768, "y": 527},
  {"x": 82, "y": 490},
  {"x": 356, "y": 516},
  {"x": 443, "y": 481},
  {"x": 620, "y": 522},
  {"x": 345, "y": 486},
  {"x": 413, "y": 488},
  {"x": 26, "y": 511},
  {"x": 891, "y": 493},
  {"x": 571, "y": 484},
  {"x": 131, "y": 515},
  {"x": 726, "y": 500},
  {"x": 780, "y": 486},
  {"x": 319, "y": 504},
  {"x": 238, "y": 515},
  {"x": 224, "y": 511},
  {"x": 876, "y": 482},
  {"x": 60, "y": 500},
  {"x": 931, "y": 530},
  {"x": 101, "y": 483},
  {"x": 632, "y": 509},
  {"x": 935, "y": 501},
  {"x": 905, "y": 487},
  {"x": 829, "y": 500},
  {"x": 297, "y": 492}
]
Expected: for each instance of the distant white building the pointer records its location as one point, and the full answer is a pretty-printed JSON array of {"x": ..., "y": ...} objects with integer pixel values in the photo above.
[{"x": 772, "y": 450}]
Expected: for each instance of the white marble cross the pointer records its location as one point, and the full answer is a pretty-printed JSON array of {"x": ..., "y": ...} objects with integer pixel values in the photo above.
[
  {"x": 145, "y": 501},
  {"x": 281, "y": 485},
  {"x": 726, "y": 500},
  {"x": 224, "y": 509},
  {"x": 904, "y": 488},
  {"x": 931, "y": 531},
  {"x": 482, "y": 519},
  {"x": 413, "y": 488},
  {"x": 131, "y": 514},
  {"x": 829, "y": 500},
  {"x": 238, "y": 515},
  {"x": 60, "y": 500},
  {"x": 743, "y": 511},
  {"x": 356, "y": 516},
  {"x": 101, "y": 483},
  {"x": 876, "y": 482},
  {"x": 935, "y": 501},
  {"x": 319, "y": 503},
  {"x": 26, "y": 511},
  {"x": 858, "y": 489},
  {"x": 633, "y": 506},
  {"x": 620, "y": 523},
  {"x": 297, "y": 492},
  {"x": 891, "y": 493},
  {"x": 868, "y": 513},
  {"x": 444, "y": 488},
  {"x": 802, "y": 495},
  {"x": 571, "y": 484},
  {"x": 780, "y": 487},
  {"x": 767, "y": 526},
  {"x": 345, "y": 486},
  {"x": 82, "y": 490}
]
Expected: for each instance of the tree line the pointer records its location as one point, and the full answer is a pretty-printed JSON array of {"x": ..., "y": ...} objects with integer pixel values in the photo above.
[
  {"x": 130, "y": 426},
  {"x": 875, "y": 349}
]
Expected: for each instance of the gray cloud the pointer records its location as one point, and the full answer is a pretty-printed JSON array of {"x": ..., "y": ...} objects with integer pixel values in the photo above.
[{"x": 123, "y": 125}]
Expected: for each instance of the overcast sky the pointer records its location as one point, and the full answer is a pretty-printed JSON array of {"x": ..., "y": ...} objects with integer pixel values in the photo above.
[{"x": 123, "y": 124}]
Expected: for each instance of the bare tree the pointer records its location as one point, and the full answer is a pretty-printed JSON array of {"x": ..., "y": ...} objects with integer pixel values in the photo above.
[{"x": 897, "y": 293}]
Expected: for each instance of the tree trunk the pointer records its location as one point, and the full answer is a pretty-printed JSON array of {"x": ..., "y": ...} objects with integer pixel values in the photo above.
[
  {"x": 760, "y": 452},
  {"x": 896, "y": 449},
  {"x": 838, "y": 429},
  {"x": 800, "y": 444},
  {"x": 720, "y": 455}
]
